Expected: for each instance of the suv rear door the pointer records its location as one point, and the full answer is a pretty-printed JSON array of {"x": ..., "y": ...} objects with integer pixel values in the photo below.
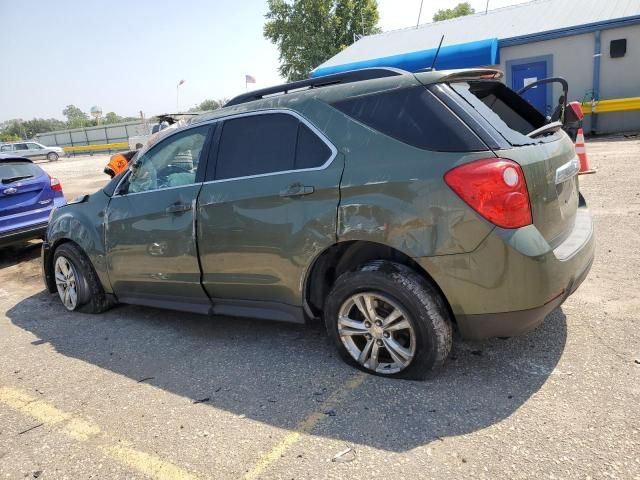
[
  {"x": 268, "y": 207},
  {"x": 22, "y": 149}
]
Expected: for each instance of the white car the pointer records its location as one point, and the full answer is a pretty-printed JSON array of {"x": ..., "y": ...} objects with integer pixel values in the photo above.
[{"x": 32, "y": 150}]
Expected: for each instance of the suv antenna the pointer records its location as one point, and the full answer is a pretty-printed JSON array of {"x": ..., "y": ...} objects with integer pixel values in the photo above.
[{"x": 435, "y": 57}]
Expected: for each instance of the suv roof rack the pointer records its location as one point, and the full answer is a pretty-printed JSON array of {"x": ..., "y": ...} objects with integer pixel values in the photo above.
[{"x": 343, "y": 77}]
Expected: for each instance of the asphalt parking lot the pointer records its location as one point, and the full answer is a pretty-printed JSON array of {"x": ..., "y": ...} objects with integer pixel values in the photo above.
[{"x": 145, "y": 393}]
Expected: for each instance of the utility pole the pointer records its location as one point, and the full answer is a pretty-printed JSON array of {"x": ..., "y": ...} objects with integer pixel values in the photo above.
[
  {"x": 420, "y": 13},
  {"x": 486, "y": 8}
]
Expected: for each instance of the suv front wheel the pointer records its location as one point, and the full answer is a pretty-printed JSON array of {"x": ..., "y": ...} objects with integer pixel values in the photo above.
[
  {"x": 387, "y": 320},
  {"x": 77, "y": 283}
]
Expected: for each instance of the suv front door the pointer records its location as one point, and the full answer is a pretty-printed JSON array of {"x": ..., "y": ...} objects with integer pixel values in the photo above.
[
  {"x": 36, "y": 151},
  {"x": 268, "y": 208},
  {"x": 150, "y": 225}
]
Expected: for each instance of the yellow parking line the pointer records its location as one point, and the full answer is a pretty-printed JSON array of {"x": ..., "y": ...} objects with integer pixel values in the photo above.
[
  {"x": 84, "y": 431},
  {"x": 304, "y": 427},
  {"x": 151, "y": 465}
]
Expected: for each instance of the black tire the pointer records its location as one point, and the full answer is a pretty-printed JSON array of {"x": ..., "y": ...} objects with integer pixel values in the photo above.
[
  {"x": 425, "y": 310},
  {"x": 52, "y": 156},
  {"x": 90, "y": 294}
]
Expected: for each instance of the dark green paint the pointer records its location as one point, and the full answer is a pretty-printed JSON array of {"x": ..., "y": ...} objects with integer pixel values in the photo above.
[{"x": 243, "y": 242}]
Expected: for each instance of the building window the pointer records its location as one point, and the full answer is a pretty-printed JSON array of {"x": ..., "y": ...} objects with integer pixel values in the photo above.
[{"x": 618, "y": 48}]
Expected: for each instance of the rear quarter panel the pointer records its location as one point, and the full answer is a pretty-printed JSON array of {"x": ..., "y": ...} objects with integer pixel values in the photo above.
[{"x": 394, "y": 194}]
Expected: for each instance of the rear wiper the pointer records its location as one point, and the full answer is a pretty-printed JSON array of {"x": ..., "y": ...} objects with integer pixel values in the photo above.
[
  {"x": 15, "y": 179},
  {"x": 548, "y": 128}
]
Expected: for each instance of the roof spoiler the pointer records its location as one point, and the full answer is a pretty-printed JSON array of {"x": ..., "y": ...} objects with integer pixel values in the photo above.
[
  {"x": 471, "y": 74},
  {"x": 337, "y": 78}
]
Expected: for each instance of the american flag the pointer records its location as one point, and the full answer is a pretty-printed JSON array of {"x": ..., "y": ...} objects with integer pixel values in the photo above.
[{"x": 249, "y": 79}]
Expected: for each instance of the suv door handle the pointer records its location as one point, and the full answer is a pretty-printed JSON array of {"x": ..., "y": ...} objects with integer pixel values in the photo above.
[
  {"x": 297, "y": 190},
  {"x": 178, "y": 207}
]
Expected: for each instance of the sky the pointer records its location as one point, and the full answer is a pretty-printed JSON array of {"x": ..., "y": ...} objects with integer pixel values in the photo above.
[{"x": 127, "y": 56}]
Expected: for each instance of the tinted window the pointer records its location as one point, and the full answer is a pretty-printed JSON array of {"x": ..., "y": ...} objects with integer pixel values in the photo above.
[
  {"x": 171, "y": 163},
  {"x": 18, "y": 171},
  {"x": 311, "y": 151},
  {"x": 257, "y": 144},
  {"x": 414, "y": 116},
  {"x": 21, "y": 146},
  {"x": 5, "y": 148}
]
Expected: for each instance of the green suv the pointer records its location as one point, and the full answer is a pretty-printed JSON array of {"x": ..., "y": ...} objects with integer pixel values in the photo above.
[{"x": 396, "y": 207}]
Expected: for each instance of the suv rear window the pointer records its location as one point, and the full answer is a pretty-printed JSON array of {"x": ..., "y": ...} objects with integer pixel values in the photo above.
[
  {"x": 510, "y": 114},
  {"x": 414, "y": 116},
  {"x": 14, "y": 171}
]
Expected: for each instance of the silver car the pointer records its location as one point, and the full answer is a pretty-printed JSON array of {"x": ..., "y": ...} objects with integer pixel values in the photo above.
[{"x": 32, "y": 150}]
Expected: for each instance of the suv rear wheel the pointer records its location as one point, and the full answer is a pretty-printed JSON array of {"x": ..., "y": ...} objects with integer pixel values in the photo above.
[{"x": 387, "y": 320}]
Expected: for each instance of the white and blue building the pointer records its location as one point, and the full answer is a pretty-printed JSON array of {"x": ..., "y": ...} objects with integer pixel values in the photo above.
[{"x": 593, "y": 44}]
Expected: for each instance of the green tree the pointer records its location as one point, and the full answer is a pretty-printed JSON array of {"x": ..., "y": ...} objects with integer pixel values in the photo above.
[
  {"x": 8, "y": 137},
  {"x": 459, "y": 10},
  {"x": 112, "y": 117},
  {"x": 12, "y": 128},
  {"x": 76, "y": 118},
  {"x": 308, "y": 32},
  {"x": 42, "y": 125},
  {"x": 28, "y": 129},
  {"x": 208, "y": 105}
]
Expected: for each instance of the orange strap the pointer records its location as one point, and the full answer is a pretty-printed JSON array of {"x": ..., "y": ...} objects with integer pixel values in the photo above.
[{"x": 118, "y": 163}]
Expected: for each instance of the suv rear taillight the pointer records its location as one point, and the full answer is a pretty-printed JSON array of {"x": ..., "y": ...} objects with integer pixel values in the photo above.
[
  {"x": 495, "y": 188},
  {"x": 56, "y": 186}
]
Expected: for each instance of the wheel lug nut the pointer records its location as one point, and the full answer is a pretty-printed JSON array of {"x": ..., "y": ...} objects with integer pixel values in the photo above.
[
  {"x": 386, "y": 334},
  {"x": 378, "y": 323},
  {"x": 368, "y": 336},
  {"x": 367, "y": 324},
  {"x": 379, "y": 342}
]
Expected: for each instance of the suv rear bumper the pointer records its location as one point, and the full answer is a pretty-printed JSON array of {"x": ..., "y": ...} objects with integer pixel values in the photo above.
[
  {"x": 23, "y": 233},
  {"x": 514, "y": 279},
  {"x": 510, "y": 324}
]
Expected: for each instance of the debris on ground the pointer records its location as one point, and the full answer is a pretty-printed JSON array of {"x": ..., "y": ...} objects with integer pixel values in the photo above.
[
  {"x": 31, "y": 428},
  {"x": 202, "y": 400},
  {"x": 346, "y": 455}
]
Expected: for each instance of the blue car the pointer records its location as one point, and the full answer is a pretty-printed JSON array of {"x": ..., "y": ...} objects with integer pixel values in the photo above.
[{"x": 27, "y": 197}]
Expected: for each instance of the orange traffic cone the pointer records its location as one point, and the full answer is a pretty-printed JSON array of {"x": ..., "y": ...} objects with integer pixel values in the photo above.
[{"x": 581, "y": 151}]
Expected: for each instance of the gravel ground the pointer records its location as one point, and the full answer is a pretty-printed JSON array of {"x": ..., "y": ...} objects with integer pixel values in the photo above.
[{"x": 145, "y": 393}]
